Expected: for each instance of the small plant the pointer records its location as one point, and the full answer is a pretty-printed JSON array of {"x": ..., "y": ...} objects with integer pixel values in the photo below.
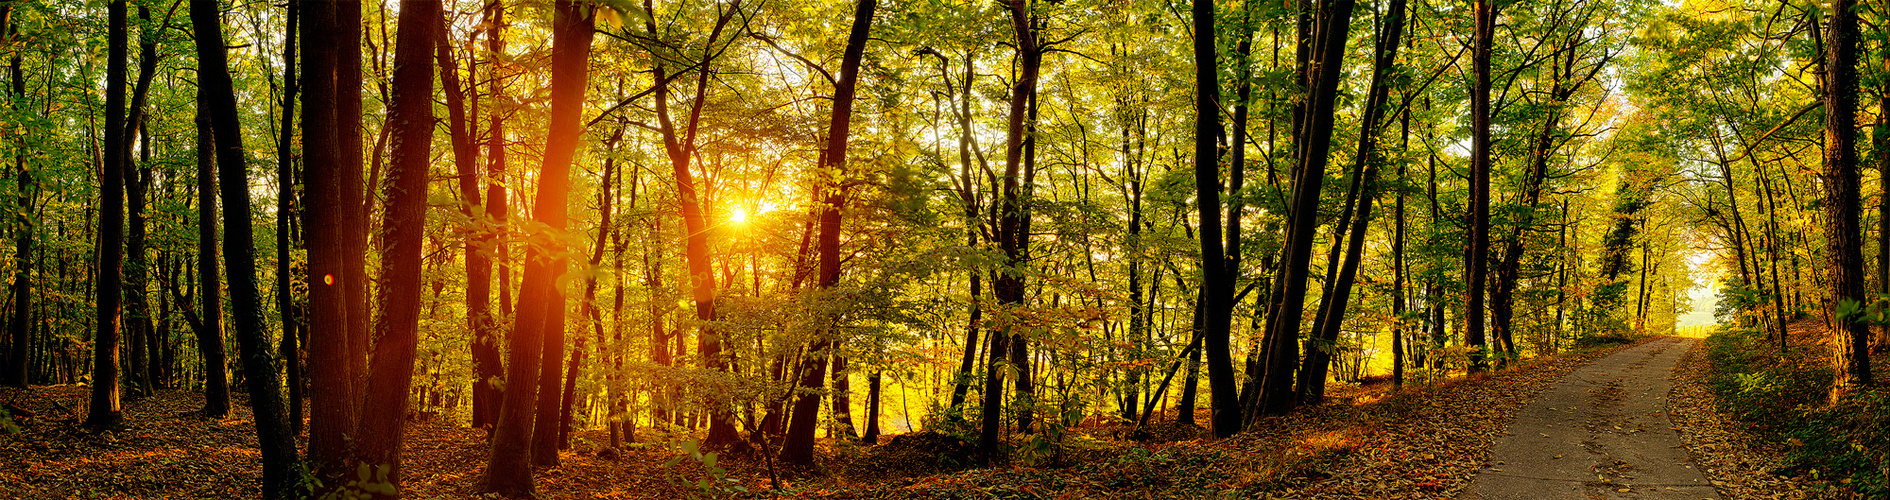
[{"x": 714, "y": 483}]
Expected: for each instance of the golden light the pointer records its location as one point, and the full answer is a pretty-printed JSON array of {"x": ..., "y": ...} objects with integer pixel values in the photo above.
[{"x": 738, "y": 216}]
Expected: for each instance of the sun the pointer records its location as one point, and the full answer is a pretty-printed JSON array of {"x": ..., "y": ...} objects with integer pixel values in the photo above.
[{"x": 738, "y": 216}]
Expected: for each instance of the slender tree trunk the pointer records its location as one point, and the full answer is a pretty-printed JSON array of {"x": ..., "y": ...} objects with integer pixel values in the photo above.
[
  {"x": 798, "y": 446},
  {"x": 397, "y": 330},
  {"x": 285, "y": 232},
  {"x": 1476, "y": 253},
  {"x": 1009, "y": 286},
  {"x": 479, "y": 321},
  {"x": 216, "y": 392},
  {"x": 1276, "y": 394},
  {"x": 1312, "y": 381},
  {"x": 487, "y": 365},
  {"x": 346, "y": 29},
  {"x": 265, "y": 391},
  {"x": 137, "y": 182},
  {"x": 551, "y": 375},
  {"x": 1843, "y": 236},
  {"x": 19, "y": 331},
  {"x": 541, "y": 307},
  {"x": 103, "y": 411},
  {"x": 872, "y": 408}
]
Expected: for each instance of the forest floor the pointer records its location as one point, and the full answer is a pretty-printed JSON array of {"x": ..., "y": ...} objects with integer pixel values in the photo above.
[{"x": 1422, "y": 442}]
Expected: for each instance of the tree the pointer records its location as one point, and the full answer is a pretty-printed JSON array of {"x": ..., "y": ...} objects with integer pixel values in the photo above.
[
  {"x": 1331, "y": 315},
  {"x": 1217, "y": 280},
  {"x": 331, "y": 168},
  {"x": 1011, "y": 235},
  {"x": 239, "y": 250},
  {"x": 396, "y": 331},
  {"x": 799, "y": 445},
  {"x": 1844, "y": 241},
  {"x": 19, "y": 333},
  {"x": 508, "y": 470},
  {"x": 103, "y": 410},
  {"x": 209, "y": 328},
  {"x": 1289, "y": 296},
  {"x": 1477, "y": 250}
]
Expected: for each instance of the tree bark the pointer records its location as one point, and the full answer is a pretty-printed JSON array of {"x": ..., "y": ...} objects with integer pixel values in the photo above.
[
  {"x": 1276, "y": 393},
  {"x": 1843, "y": 237},
  {"x": 1477, "y": 252},
  {"x": 285, "y": 230},
  {"x": 487, "y": 365},
  {"x": 104, "y": 408},
  {"x": 397, "y": 330},
  {"x": 327, "y": 130},
  {"x": 541, "y": 306},
  {"x": 798, "y": 446},
  {"x": 19, "y": 328},
  {"x": 1009, "y": 286},
  {"x": 265, "y": 391},
  {"x": 1312, "y": 381}
]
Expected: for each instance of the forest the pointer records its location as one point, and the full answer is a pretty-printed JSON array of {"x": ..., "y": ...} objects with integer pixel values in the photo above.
[{"x": 934, "y": 248}]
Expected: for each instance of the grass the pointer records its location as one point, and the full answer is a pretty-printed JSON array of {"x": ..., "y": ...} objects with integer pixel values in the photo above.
[{"x": 1785, "y": 398}]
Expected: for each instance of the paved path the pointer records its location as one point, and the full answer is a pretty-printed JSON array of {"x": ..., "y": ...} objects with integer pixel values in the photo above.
[{"x": 1601, "y": 432}]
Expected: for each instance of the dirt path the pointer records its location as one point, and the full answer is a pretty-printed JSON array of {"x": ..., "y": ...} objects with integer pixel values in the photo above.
[{"x": 1601, "y": 432}]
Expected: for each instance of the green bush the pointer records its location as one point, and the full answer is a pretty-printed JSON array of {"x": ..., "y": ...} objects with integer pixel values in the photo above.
[{"x": 1785, "y": 400}]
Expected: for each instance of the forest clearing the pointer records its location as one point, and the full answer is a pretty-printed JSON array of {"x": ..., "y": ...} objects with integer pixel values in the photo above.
[{"x": 1473, "y": 249}]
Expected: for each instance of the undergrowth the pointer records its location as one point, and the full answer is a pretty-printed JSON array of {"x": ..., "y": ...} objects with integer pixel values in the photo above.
[{"x": 1785, "y": 400}]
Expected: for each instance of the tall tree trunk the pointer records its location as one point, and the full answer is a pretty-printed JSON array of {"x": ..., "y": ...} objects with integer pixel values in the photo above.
[
  {"x": 508, "y": 471},
  {"x": 265, "y": 391},
  {"x": 19, "y": 327},
  {"x": 484, "y": 347},
  {"x": 798, "y": 446},
  {"x": 137, "y": 181},
  {"x": 1843, "y": 237},
  {"x": 216, "y": 388},
  {"x": 1009, "y": 286},
  {"x": 327, "y": 131},
  {"x": 842, "y": 410},
  {"x": 397, "y": 330},
  {"x": 103, "y": 410},
  {"x": 487, "y": 365},
  {"x": 1312, "y": 378},
  {"x": 353, "y": 199},
  {"x": 679, "y": 146},
  {"x": 1476, "y": 253},
  {"x": 969, "y": 201},
  {"x": 285, "y": 213},
  {"x": 1276, "y": 394}
]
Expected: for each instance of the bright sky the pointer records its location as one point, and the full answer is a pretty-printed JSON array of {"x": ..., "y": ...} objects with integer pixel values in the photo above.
[{"x": 1702, "y": 294}]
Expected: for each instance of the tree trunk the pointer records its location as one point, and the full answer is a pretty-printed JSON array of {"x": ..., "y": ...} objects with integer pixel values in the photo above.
[
  {"x": 872, "y": 408},
  {"x": 19, "y": 328},
  {"x": 1843, "y": 236},
  {"x": 487, "y": 365},
  {"x": 265, "y": 392},
  {"x": 551, "y": 375},
  {"x": 484, "y": 347},
  {"x": 1276, "y": 394},
  {"x": 1312, "y": 381},
  {"x": 327, "y": 131},
  {"x": 137, "y": 307},
  {"x": 1477, "y": 252},
  {"x": 103, "y": 410},
  {"x": 216, "y": 391},
  {"x": 397, "y": 330},
  {"x": 1009, "y": 286},
  {"x": 509, "y": 468},
  {"x": 798, "y": 446},
  {"x": 285, "y": 231}
]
